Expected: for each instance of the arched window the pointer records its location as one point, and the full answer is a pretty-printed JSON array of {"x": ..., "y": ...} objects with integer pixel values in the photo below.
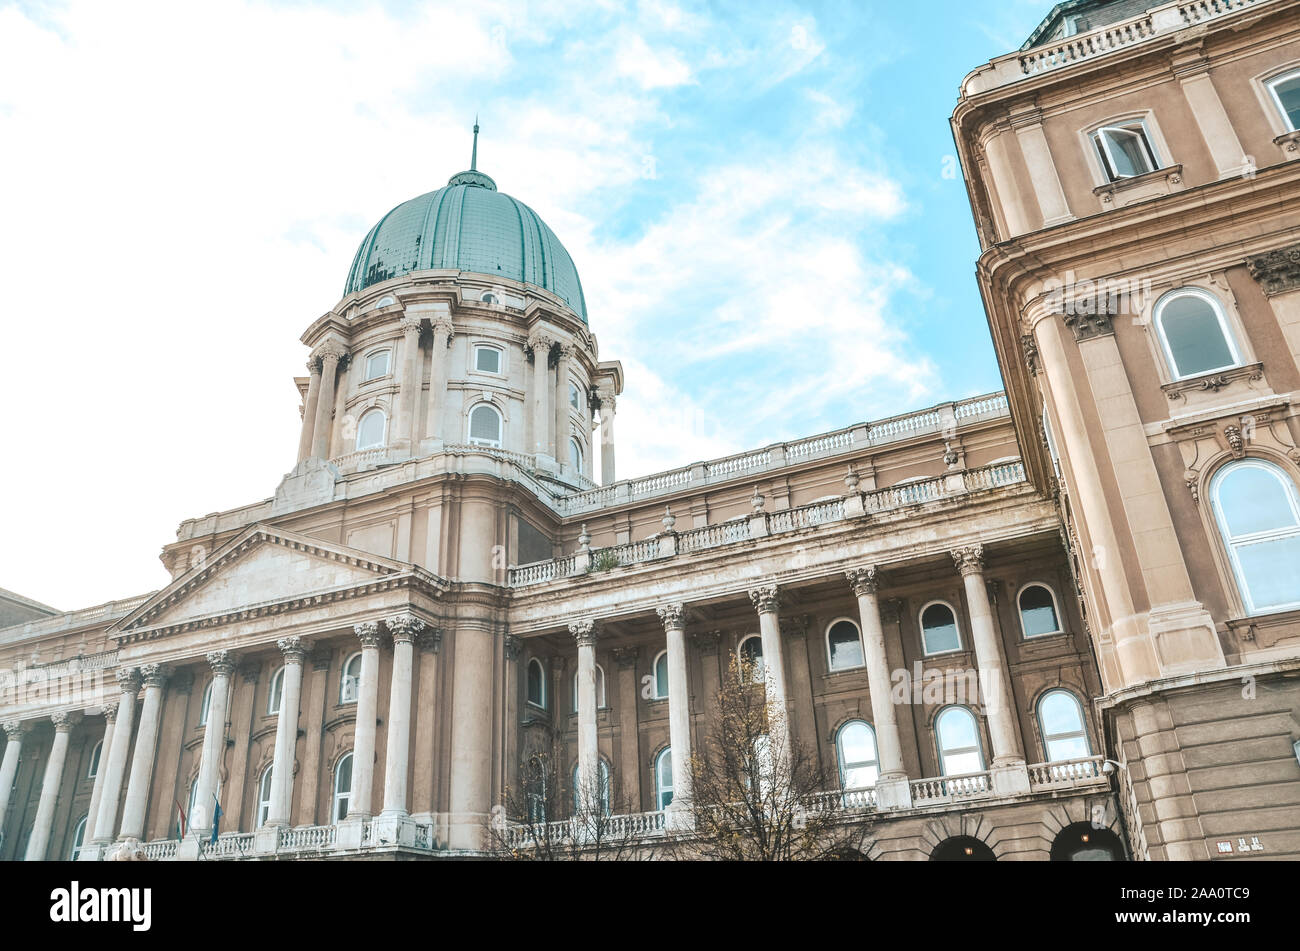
[
  {"x": 485, "y": 426},
  {"x": 205, "y": 704},
  {"x": 604, "y": 789},
  {"x": 536, "y": 683},
  {"x": 487, "y": 359},
  {"x": 575, "y": 396},
  {"x": 94, "y": 760},
  {"x": 939, "y": 633},
  {"x": 661, "y": 676},
  {"x": 350, "y": 679},
  {"x": 264, "y": 796},
  {"x": 1060, "y": 717},
  {"x": 78, "y": 837},
  {"x": 489, "y": 298},
  {"x": 600, "y": 689},
  {"x": 377, "y": 365},
  {"x": 1194, "y": 332},
  {"x": 958, "y": 738},
  {"x": 370, "y": 431},
  {"x": 750, "y": 653},
  {"x": 1038, "y": 611},
  {"x": 275, "y": 694},
  {"x": 664, "y": 778},
  {"x": 1285, "y": 90},
  {"x": 1258, "y": 515},
  {"x": 575, "y": 455},
  {"x": 342, "y": 787},
  {"x": 855, "y": 745},
  {"x": 844, "y": 645}
]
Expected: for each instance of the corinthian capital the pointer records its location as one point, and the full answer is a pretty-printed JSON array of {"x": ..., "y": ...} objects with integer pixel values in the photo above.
[
  {"x": 15, "y": 729},
  {"x": 540, "y": 343},
  {"x": 409, "y": 323},
  {"x": 64, "y": 721},
  {"x": 293, "y": 647},
  {"x": 154, "y": 675},
  {"x": 969, "y": 560},
  {"x": 585, "y": 632},
  {"x": 222, "y": 663},
  {"x": 368, "y": 633},
  {"x": 404, "y": 627},
  {"x": 443, "y": 325},
  {"x": 128, "y": 679},
  {"x": 330, "y": 350},
  {"x": 765, "y": 598},
  {"x": 673, "y": 616},
  {"x": 1277, "y": 272},
  {"x": 863, "y": 581}
]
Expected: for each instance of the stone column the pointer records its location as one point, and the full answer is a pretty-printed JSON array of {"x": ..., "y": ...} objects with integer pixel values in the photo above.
[
  {"x": 222, "y": 663},
  {"x": 1008, "y": 766},
  {"x": 427, "y": 758},
  {"x": 97, "y": 790},
  {"x": 586, "y": 634},
  {"x": 14, "y": 731},
  {"x": 363, "y": 744},
  {"x": 997, "y": 147},
  {"x": 397, "y": 762},
  {"x": 765, "y": 600},
  {"x": 309, "y": 410},
  {"x": 562, "y": 404},
  {"x": 681, "y": 811},
  {"x": 406, "y": 427},
  {"x": 437, "y": 408},
  {"x": 1193, "y": 71},
  {"x": 39, "y": 842},
  {"x": 607, "y": 476},
  {"x": 892, "y": 790},
  {"x": 286, "y": 731},
  {"x": 330, "y": 355},
  {"x": 541, "y": 344},
  {"x": 146, "y": 742},
  {"x": 1028, "y": 126},
  {"x": 106, "y": 821},
  {"x": 628, "y": 778}
]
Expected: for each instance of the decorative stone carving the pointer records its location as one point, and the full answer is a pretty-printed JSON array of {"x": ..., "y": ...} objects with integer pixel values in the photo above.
[
  {"x": 585, "y": 632},
  {"x": 1277, "y": 272},
  {"x": 409, "y": 324},
  {"x": 758, "y": 501},
  {"x": 154, "y": 675},
  {"x": 128, "y": 679},
  {"x": 64, "y": 721},
  {"x": 852, "y": 480},
  {"x": 669, "y": 519},
  {"x": 584, "y": 539},
  {"x": 1178, "y": 390},
  {"x": 1236, "y": 442},
  {"x": 294, "y": 648},
  {"x": 765, "y": 598},
  {"x": 1088, "y": 326},
  {"x": 404, "y": 627},
  {"x": 16, "y": 729},
  {"x": 673, "y": 616},
  {"x": 863, "y": 581},
  {"x": 429, "y": 640},
  {"x": 443, "y": 325},
  {"x": 541, "y": 343},
  {"x": 514, "y": 647},
  {"x": 330, "y": 350},
  {"x": 969, "y": 560},
  {"x": 368, "y": 633},
  {"x": 222, "y": 662},
  {"x": 1030, "y": 348},
  {"x": 110, "y": 715}
]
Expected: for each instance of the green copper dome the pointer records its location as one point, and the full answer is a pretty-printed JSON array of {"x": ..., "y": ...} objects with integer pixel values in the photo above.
[{"x": 468, "y": 226}]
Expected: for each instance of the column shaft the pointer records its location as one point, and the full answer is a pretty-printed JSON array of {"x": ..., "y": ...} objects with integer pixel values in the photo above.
[
  {"x": 541, "y": 347},
  {"x": 286, "y": 732},
  {"x": 309, "y": 411},
  {"x": 320, "y": 440},
  {"x": 406, "y": 428},
  {"x": 588, "y": 792},
  {"x": 115, "y": 771},
  {"x": 397, "y": 761},
  {"x": 363, "y": 747},
  {"x": 214, "y": 742},
  {"x": 679, "y": 703},
  {"x": 39, "y": 842},
  {"x": 146, "y": 743},
  {"x": 889, "y": 746},
  {"x": 607, "y": 476},
  {"x": 765, "y": 600},
  {"x": 442, "y": 331},
  {"x": 97, "y": 790},
  {"x": 15, "y": 731},
  {"x": 995, "y": 684}
]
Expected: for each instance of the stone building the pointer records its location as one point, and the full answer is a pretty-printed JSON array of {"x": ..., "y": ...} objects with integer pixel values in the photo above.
[{"x": 1107, "y": 553}]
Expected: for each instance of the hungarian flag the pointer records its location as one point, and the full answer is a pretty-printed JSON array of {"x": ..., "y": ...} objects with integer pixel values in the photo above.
[
  {"x": 182, "y": 822},
  {"x": 216, "y": 818}
]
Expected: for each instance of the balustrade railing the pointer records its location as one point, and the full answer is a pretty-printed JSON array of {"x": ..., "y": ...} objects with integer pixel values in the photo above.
[
  {"x": 160, "y": 851},
  {"x": 948, "y": 788},
  {"x": 712, "y": 536},
  {"x": 233, "y": 845},
  {"x": 1086, "y": 771},
  {"x": 309, "y": 838},
  {"x": 846, "y": 800}
]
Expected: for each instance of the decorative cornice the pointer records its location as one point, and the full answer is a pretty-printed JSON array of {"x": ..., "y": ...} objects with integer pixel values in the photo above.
[
  {"x": 1277, "y": 272},
  {"x": 222, "y": 663},
  {"x": 368, "y": 633},
  {"x": 765, "y": 598},
  {"x": 969, "y": 560},
  {"x": 128, "y": 680},
  {"x": 672, "y": 616},
  {"x": 585, "y": 632},
  {"x": 404, "y": 627},
  {"x": 864, "y": 581},
  {"x": 293, "y": 647}
]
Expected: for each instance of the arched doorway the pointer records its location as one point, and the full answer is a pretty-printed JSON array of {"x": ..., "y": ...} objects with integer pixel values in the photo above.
[
  {"x": 1082, "y": 842},
  {"x": 962, "y": 848}
]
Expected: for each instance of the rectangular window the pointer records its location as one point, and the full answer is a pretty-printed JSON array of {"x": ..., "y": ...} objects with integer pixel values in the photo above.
[
  {"x": 1125, "y": 150},
  {"x": 1286, "y": 93},
  {"x": 487, "y": 359},
  {"x": 377, "y": 365}
]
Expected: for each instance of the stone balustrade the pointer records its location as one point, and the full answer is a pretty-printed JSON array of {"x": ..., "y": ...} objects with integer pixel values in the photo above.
[
  {"x": 803, "y": 517},
  {"x": 950, "y": 788},
  {"x": 1068, "y": 774}
]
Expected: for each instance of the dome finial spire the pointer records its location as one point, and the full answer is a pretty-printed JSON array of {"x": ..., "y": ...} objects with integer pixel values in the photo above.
[{"x": 473, "y": 158}]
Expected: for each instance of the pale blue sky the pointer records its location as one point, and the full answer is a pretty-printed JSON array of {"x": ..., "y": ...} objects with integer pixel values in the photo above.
[{"x": 753, "y": 194}]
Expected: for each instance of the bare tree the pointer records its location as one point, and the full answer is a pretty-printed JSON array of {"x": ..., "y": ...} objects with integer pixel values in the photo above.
[
  {"x": 756, "y": 794},
  {"x": 545, "y": 819}
]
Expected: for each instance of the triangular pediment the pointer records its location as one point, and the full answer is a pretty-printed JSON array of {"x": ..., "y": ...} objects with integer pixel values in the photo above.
[{"x": 261, "y": 566}]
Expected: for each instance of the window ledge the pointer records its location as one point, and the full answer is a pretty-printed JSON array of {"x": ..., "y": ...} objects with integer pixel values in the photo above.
[
  {"x": 1213, "y": 381},
  {"x": 1262, "y": 631},
  {"x": 1127, "y": 191},
  {"x": 1289, "y": 143}
]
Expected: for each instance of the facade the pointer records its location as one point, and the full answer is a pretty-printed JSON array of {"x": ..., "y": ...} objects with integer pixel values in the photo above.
[{"x": 1028, "y": 625}]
